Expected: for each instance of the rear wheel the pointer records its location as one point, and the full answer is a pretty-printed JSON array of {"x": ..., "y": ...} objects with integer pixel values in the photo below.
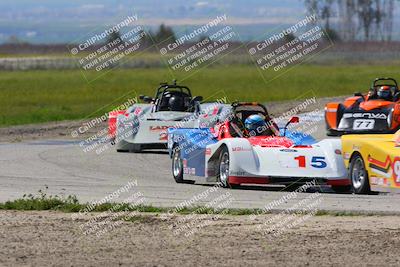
[
  {"x": 177, "y": 166},
  {"x": 359, "y": 175},
  {"x": 223, "y": 174}
]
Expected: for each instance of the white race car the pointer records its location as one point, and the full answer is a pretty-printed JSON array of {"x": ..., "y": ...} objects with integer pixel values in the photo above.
[
  {"x": 144, "y": 126},
  {"x": 228, "y": 154}
]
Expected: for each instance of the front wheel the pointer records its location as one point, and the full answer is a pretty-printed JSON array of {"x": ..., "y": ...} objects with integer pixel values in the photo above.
[
  {"x": 223, "y": 174},
  {"x": 359, "y": 176},
  {"x": 177, "y": 166}
]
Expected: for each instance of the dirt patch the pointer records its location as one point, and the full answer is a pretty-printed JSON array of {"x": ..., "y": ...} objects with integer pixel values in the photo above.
[
  {"x": 64, "y": 129},
  {"x": 54, "y": 238},
  {"x": 51, "y": 130}
]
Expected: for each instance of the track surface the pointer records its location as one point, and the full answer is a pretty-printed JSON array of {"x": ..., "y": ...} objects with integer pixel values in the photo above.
[
  {"x": 66, "y": 169},
  {"x": 63, "y": 167}
]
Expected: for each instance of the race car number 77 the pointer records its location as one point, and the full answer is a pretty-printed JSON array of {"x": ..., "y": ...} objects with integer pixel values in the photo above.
[
  {"x": 316, "y": 162},
  {"x": 363, "y": 124}
]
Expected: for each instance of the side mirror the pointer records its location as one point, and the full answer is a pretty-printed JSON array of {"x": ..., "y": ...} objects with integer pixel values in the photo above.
[
  {"x": 358, "y": 94},
  {"x": 197, "y": 99},
  {"x": 293, "y": 119},
  {"x": 396, "y": 97}
]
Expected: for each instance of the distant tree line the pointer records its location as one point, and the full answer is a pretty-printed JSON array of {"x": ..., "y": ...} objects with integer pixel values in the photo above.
[
  {"x": 352, "y": 20},
  {"x": 163, "y": 33}
]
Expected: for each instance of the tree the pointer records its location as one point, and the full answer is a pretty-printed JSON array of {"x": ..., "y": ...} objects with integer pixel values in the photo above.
[
  {"x": 289, "y": 37},
  {"x": 366, "y": 15},
  {"x": 355, "y": 19},
  {"x": 332, "y": 35},
  {"x": 15, "y": 40},
  {"x": 164, "y": 33},
  {"x": 327, "y": 12},
  {"x": 115, "y": 35}
]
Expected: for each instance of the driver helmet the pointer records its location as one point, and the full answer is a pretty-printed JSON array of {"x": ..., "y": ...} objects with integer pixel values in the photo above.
[
  {"x": 385, "y": 93},
  {"x": 255, "y": 124},
  {"x": 176, "y": 103}
]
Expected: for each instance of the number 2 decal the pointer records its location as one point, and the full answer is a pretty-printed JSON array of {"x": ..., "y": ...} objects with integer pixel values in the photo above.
[{"x": 316, "y": 162}]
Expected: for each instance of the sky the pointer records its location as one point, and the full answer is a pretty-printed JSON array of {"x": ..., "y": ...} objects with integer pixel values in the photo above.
[
  {"x": 64, "y": 21},
  {"x": 60, "y": 21}
]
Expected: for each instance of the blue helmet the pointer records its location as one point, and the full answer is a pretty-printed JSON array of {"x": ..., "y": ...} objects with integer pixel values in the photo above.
[{"x": 255, "y": 121}]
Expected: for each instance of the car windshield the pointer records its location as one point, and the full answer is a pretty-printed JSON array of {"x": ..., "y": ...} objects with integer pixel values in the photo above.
[{"x": 173, "y": 100}]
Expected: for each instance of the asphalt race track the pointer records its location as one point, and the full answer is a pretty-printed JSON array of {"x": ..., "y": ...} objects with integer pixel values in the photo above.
[{"x": 65, "y": 169}]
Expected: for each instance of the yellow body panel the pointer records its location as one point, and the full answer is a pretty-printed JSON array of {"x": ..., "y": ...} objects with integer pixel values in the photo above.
[{"x": 381, "y": 155}]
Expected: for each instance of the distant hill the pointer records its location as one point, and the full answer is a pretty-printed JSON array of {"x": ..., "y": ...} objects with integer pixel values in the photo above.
[{"x": 63, "y": 21}]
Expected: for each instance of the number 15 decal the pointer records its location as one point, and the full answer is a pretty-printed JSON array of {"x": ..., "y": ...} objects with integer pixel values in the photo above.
[{"x": 316, "y": 162}]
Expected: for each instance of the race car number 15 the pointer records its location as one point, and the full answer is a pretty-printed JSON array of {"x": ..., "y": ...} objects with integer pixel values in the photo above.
[{"x": 316, "y": 162}]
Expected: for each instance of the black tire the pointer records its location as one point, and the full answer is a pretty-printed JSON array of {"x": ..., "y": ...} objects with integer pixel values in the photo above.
[
  {"x": 359, "y": 175},
  {"x": 136, "y": 148},
  {"x": 341, "y": 188},
  {"x": 177, "y": 166},
  {"x": 223, "y": 168}
]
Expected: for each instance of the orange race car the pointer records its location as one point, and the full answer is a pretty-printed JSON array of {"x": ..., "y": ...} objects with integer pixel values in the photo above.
[{"x": 375, "y": 112}]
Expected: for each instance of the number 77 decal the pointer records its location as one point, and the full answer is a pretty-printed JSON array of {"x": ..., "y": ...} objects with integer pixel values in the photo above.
[{"x": 316, "y": 162}]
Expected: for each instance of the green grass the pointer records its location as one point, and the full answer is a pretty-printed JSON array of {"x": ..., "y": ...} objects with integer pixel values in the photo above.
[
  {"x": 42, "y": 96},
  {"x": 42, "y": 201}
]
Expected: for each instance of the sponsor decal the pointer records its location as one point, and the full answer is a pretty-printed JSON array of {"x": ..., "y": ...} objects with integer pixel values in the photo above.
[
  {"x": 137, "y": 111},
  {"x": 159, "y": 128},
  {"x": 239, "y": 149},
  {"x": 163, "y": 136},
  {"x": 208, "y": 151},
  {"x": 127, "y": 124},
  {"x": 378, "y": 181},
  {"x": 190, "y": 171},
  {"x": 288, "y": 150},
  {"x": 379, "y": 116},
  {"x": 238, "y": 173}
]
